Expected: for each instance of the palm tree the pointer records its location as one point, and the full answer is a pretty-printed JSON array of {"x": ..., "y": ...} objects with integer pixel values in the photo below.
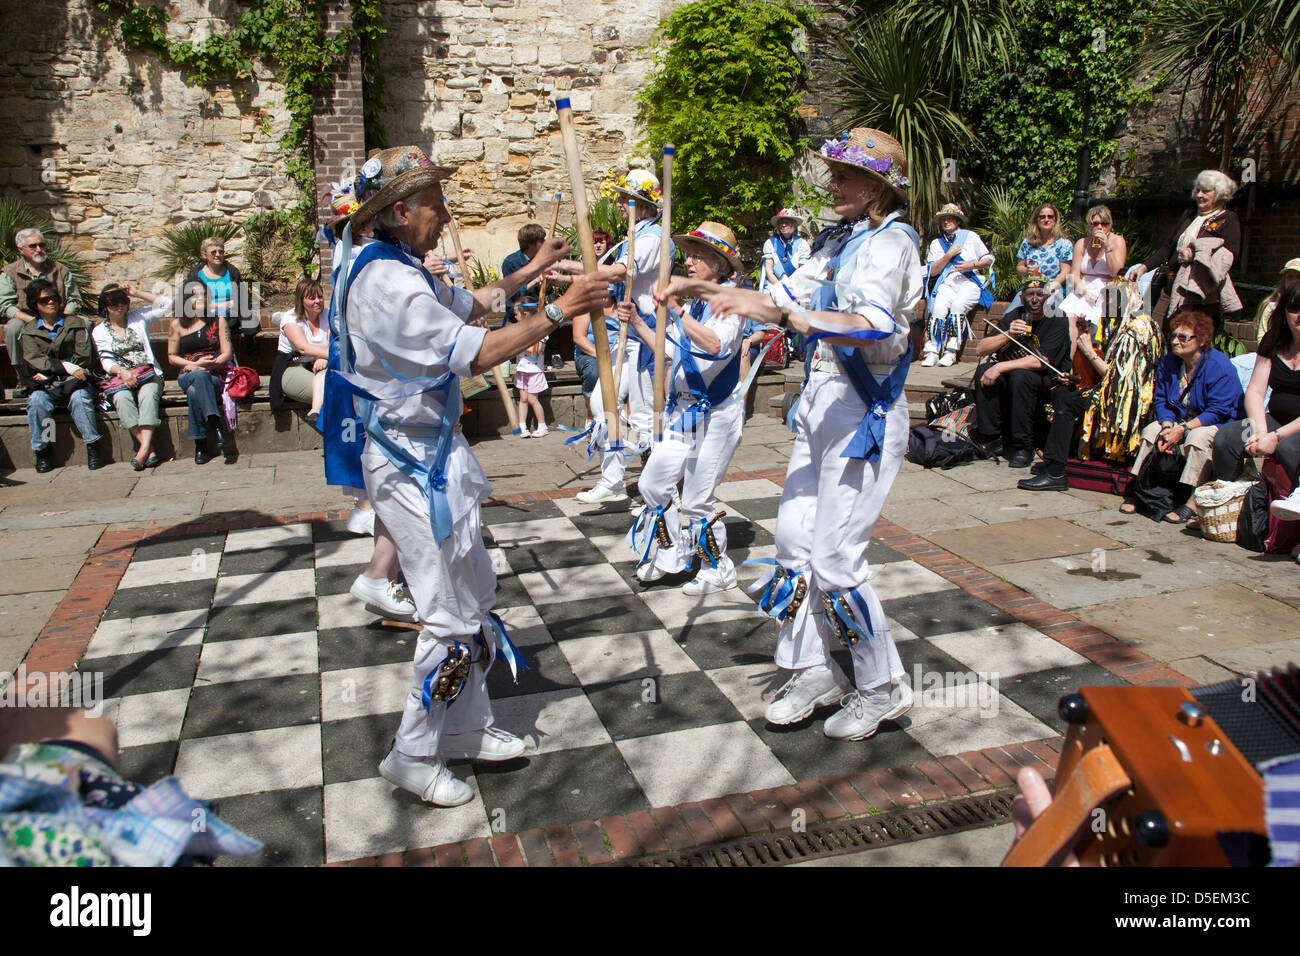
[{"x": 1241, "y": 55}]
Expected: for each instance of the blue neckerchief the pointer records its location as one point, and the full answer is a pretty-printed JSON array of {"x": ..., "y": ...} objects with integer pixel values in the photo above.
[
  {"x": 785, "y": 254},
  {"x": 878, "y": 397},
  {"x": 959, "y": 239},
  {"x": 703, "y": 397},
  {"x": 349, "y": 411},
  {"x": 834, "y": 232}
]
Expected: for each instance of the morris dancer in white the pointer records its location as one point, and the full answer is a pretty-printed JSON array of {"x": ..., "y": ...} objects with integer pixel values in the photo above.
[
  {"x": 860, "y": 286},
  {"x": 956, "y": 258},
  {"x": 403, "y": 342},
  {"x": 704, "y": 415}
]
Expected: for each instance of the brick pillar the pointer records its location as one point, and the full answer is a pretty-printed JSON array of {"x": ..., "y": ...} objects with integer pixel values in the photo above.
[{"x": 339, "y": 120}]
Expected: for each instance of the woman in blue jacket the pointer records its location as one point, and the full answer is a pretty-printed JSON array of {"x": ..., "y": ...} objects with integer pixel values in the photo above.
[{"x": 1197, "y": 390}]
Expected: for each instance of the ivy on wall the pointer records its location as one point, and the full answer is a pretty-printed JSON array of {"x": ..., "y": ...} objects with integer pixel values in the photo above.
[{"x": 289, "y": 36}]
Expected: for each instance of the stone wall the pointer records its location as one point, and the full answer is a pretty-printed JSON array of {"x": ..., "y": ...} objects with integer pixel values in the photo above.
[
  {"x": 479, "y": 79},
  {"x": 114, "y": 147}
]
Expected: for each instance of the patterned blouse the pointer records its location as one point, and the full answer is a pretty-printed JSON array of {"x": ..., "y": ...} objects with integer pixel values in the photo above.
[
  {"x": 1046, "y": 259},
  {"x": 128, "y": 351}
]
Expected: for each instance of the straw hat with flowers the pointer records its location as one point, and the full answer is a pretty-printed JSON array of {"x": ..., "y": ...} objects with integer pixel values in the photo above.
[
  {"x": 386, "y": 176},
  {"x": 713, "y": 237},
  {"x": 879, "y": 154}
]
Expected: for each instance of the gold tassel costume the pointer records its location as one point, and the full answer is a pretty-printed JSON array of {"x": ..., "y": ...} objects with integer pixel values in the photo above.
[{"x": 1121, "y": 406}]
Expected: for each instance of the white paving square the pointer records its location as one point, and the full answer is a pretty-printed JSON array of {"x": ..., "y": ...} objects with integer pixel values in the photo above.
[
  {"x": 747, "y": 489},
  {"x": 614, "y": 546},
  {"x": 1007, "y": 650},
  {"x": 896, "y": 579},
  {"x": 751, "y": 687},
  {"x": 148, "y": 718},
  {"x": 360, "y": 691},
  {"x": 767, "y": 524},
  {"x": 677, "y": 609},
  {"x": 137, "y": 635},
  {"x": 342, "y": 610},
  {"x": 283, "y": 758},
  {"x": 524, "y": 625},
  {"x": 278, "y": 655},
  {"x": 372, "y": 817},
  {"x": 355, "y": 550},
  {"x": 536, "y": 532},
  {"x": 613, "y": 657},
  {"x": 199, "y": 566},
  {"x": 276, "y": 536},
  {"x": 500, "y": 566},
  {"x": 260, "y": 588},
  {"x": 702, "y": 762},
  {"x": 551, "y": 721},
  {"x": 565, "y": 585},
  {"x": 970, "y": 717}
]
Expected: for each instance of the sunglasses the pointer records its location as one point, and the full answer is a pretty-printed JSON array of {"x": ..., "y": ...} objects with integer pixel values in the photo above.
[
  {"x": 47, "y": 299},
  {"x": 1183, "y": 337},
  {"x": 1047, "y": 218},
  {"x": 38, "y": 245},
  {"x": 1098, "y": 222}
]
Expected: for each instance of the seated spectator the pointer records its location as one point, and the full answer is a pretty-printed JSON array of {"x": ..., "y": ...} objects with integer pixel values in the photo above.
[
  {"x": 1270, "y": 430},
  {"x": 1046, "y": 252},
  {"x": 1098, "y": 259},
  {"x": 1012, "y": 385},
  {"x": 954, "y": 284},
  {"x": 135, "y": 379},
  {"x": 199, "y": 345},
  {"x": 1198, "y": 255},
  {"x": 1289, "y": 277},
  {"x": 784, "y": 252},
  {"x": 226, "y": 295},
  {"x": 33, "y": 263},
  {"x": 58, "y": 354},
  {"x": 1197, "y": 390},
  {"x": 1114, "y": 412},
  {"x": 602, "y": 241},
  {"x": 531, "y": 237},
  {"x": 303, "y": 352},
  {"x": 754, "y": 333}
]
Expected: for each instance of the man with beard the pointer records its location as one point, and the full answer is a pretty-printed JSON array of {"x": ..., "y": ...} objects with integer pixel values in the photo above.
[{"x": 33, "y": 263}]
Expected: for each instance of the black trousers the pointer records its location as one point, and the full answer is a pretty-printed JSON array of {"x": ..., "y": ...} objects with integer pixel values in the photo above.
[
  {"x": 1012, "y": 407},
  {"x": 1067, "y": 408},
  {"x": 1230, "y": 446}
]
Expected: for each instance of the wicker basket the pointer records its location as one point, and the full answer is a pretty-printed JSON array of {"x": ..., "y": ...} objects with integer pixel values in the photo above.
[{"x": 1219, "y": 504}]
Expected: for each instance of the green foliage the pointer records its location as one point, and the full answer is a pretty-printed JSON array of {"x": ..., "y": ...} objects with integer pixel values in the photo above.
[
  {"x": 287, "y": 35},
  {"x": 1002, "y": 221},
  {"x": 725, "y": 90},
  {"x": 1030, "y": 117},
  {"x": 481, "y": 273},
  {"x": 368, "y": 23},
  {"x": 179, "y": 245},
  {"x": 268, "y": 248},
  {"x": 603, "y": 214},
  {"x": 16, "y": 215}
]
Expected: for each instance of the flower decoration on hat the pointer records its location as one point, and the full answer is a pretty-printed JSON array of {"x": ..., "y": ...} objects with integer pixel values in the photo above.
[
  {"x": 845, "y": 151},
  {"x": 342, "y": 198},
  {"x": 716, "y": 242},
  {"x": 639, "y": 181},
  {"x": 1035, "y": 278}
]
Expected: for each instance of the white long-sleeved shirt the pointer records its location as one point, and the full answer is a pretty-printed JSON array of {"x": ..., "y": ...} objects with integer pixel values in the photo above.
[{"x": 138, "y": 321}]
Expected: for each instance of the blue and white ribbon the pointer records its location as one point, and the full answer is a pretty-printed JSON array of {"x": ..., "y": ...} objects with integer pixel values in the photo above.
[
  {"x": 426, "y": 691},
  {"x": 776, "y": 595},
  {"x": 495, "y": 628},
  {"x": 859, "y": 621},
  {"x": 642, "y": 534}
]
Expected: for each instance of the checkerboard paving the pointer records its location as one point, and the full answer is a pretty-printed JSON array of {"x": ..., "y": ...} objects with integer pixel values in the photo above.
[{"x": 240, "y": 662}]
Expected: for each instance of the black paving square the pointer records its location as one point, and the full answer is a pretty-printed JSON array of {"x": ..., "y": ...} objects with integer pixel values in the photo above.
[
  {"x": 743, "y": 533},
  {"x": 353, "y": 748},
  {"x": 343, "y": 648},
  {"x": 267, "y": 560},
  {"x": 238, "y": 621},
  {"x": 165, "y": 669},
  {"x": 573, "y": 553},
  {"x": 511, "y": 592},
  {"x": 1039, "y": 691},
  {"x": 154, "y": 549},
  {"x": 148, "y": 763},
  {"x": 337, "y": 578},
  {"x": 755, "y": 509},
  {"x": 554, "y": 788},
  {"x": 878, "y": 553},
  {"x": 944, "y": 612},
  {"x": 642, "y": 707},
  {"x": 715, "y": 644},
  {"x": 289, "y": 823},
  {"x": 609, "y": 615},
  {"x": 806, "y": 751},
  {"x": 548, "y": 670},
  {"x": 531, "y": 511},
  {"x": 242, "y": 706},
  {"x": 161, "y": 599},
  {"x": 322, "y": 531},
  {"x": 603, "y": 522}
]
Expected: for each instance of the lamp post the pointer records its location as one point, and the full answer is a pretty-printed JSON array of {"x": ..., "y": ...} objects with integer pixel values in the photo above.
[{"x": 1080, "y": 207}]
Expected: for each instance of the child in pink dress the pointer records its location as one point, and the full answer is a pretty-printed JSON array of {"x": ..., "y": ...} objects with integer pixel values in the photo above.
[{"x": 530, "y": 380}]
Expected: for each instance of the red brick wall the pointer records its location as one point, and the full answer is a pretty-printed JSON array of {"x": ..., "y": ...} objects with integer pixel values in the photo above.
[{"x": 339, "y": 123}]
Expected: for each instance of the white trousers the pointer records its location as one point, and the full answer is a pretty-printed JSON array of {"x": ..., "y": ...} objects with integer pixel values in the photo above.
[
  {"x": 637, "y": 390},
  {"x": 828, "y": 513},
  {"x": 699, "y": 461},
  {"x": 953, "y": 299},
  {"x": 453, "y": 587}
]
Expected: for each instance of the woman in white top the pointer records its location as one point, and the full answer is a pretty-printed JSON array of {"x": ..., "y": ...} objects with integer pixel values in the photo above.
[
  {"x": 135, "y": 378},
  {"x": 303, "y": 352},
  {"x": 1098, "y": 259},
  {"x": 953, "y": 265},
  {"x": 702, "y": 427}
]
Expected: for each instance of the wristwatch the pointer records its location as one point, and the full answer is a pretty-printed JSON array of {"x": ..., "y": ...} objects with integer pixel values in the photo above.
[{"x": 554, "y": 313}]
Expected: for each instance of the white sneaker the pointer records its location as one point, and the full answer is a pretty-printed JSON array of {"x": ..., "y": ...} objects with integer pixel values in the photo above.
[
  {"x": 524, "y": 432},
  {"x": 636, "y": 510},
  {"x": 490, "y": 743},
  {"x": 806, "y": 690},
  {"x": 949, "y": 358},
  {"x": 541, "y": 431},
  {"x": 649, "y": 572},
  {"x": 601, "y": 492},
  {"x": 1288, "y": 508},
  {"x": 929, "y": 360},
  {"x": 427, "y": 778},
  {"x": 362, "y": 521},
  {"x": 389, "y": 599},
  {"x": 861, "y": 715},
  {"x": 721, "y": 578}
]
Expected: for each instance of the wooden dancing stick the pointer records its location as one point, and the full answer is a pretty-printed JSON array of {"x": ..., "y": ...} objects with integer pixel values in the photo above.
[
  {"x": 497, "y": 377},
  {"x": 621, "y": 355},
  {"x": 588, "y": 246},
  {"x": 555, "y": 221},
  {"x": 1026, "y": 348},
  {"x": 661, "y": 311}
]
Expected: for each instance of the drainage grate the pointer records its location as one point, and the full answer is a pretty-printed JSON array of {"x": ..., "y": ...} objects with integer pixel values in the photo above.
[{"x": 846, "y": 836}]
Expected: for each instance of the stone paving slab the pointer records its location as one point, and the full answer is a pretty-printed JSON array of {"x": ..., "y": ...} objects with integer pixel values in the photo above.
[
  {"x": 1027, "y": 540},
  {"x": 22, "y": 618},
  {"x": 74, "y": 540},
  {"x": 37, "y": 573},
  {"x": 1012, "y": 504},
  {"x": 927, "y": 515},
  {"x": 61, "y": 515}
]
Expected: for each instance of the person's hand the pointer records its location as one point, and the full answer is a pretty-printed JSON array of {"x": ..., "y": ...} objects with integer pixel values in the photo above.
[
  {"x": 991, "y": 375},
  {"x": 587, "y": 294},
  {"x": 39, "y": 377},
  {"x": 625, "y": 311},
  {"x": 1018, "y": 327},
  {"x": 1265, "y": 446},
  {"x": 192, "y": 367},
  {"x": 434, "y": 263},
  {"x": 1185, "y": 254},
  {"x": 79, "y": 374},
  {"x": 319, "y": 365},
  {"x": 1032, "y": 801},
  {"x": 1135, "y": 273},
  {"x": 132, "y": 291},
  {"x": 726, "y": 302},
  {"x": 551, "y": 252},
  {"x": 128, "y": 377},
  {"x": 1170, "y": 438},
  {"x": 678, "y": 288}
]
